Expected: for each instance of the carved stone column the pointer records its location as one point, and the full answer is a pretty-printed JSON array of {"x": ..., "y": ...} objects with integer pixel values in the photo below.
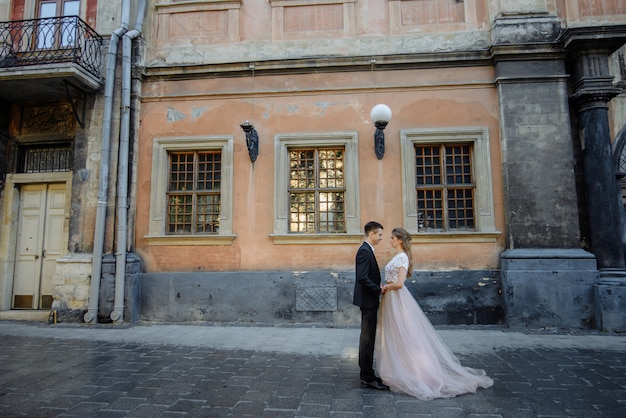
[{"x": 592, "y": 89}]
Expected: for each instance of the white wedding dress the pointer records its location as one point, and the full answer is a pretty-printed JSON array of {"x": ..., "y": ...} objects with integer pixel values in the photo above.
[{"x": 410, "y": 356}]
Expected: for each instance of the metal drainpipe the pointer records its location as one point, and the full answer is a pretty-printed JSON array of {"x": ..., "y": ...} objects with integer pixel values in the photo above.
[
  {"x": 91, "y": 316},
  {"x": 117, "y": 314}
]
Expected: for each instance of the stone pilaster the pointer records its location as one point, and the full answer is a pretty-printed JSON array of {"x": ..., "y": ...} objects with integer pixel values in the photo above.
[
  {"x": 537, "y": 152},
  {"x": 547, "y": 279}
]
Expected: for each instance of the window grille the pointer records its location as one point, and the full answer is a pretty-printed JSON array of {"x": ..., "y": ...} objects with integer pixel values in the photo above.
[
  {"x": 45, "y": 159},
  {"x": 316, "y": 190},
  {"x": 194, "y": 192},
  {"x": 445, "y": 187}
]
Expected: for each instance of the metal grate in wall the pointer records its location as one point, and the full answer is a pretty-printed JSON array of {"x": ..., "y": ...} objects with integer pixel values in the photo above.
[
  {"x": 316, "y": 299},
  {"x": 46, "y": 159}
]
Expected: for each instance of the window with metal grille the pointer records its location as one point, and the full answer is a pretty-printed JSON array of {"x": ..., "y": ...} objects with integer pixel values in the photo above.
[
  {"x": 316, "y": 190},
  {"x": 45, "y": 159},
  {"x": 193, "y": 197},
  {"x": 445, "y": 187}
]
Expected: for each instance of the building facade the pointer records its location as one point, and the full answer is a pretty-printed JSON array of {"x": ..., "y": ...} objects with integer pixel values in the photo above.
[{"x": 222, "y": 162}]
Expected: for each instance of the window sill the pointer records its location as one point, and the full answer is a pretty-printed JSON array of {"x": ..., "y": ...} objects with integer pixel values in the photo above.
[
  {"x": 190, "y": 239},
  {"x": 443, "y": 237},
  {"x": 316, "y": 239}
]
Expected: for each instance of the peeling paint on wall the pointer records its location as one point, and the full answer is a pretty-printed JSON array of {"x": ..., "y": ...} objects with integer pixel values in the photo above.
[
  {"x": 174, "y": 115},
  {"x": 196, "y": 112}
]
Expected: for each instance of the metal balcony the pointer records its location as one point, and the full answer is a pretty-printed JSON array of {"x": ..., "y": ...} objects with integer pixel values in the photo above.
[{"x": 46, "y": 59}]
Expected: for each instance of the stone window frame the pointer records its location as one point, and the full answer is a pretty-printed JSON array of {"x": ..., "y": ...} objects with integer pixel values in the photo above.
[
  {"x": 158, "y": 192},
  {"x": 318, "y": 189},
  {"x": 282, "y": 144},
  {"x": 484, "y": 200}
]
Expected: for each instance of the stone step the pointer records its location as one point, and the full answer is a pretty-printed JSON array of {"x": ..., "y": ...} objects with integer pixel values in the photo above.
[{"x": 25, "y": 315}]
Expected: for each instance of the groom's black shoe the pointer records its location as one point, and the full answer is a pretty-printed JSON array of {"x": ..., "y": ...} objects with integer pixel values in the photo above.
[{"x": 374, "y": 384}]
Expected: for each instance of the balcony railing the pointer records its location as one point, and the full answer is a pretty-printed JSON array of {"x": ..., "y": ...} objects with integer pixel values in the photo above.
[{"x": 54, "y": 40}]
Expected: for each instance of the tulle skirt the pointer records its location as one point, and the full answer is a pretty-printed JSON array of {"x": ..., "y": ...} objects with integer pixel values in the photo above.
[{"x": 410, "y": 356}]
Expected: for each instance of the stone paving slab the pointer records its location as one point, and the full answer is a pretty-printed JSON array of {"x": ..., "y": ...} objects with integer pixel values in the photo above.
[
  {"x": 308, "y": 340},
  {"x": 166, "y": 371}
]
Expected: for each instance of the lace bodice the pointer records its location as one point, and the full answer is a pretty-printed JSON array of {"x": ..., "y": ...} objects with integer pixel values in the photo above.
[{"x": 392, "y": 268}]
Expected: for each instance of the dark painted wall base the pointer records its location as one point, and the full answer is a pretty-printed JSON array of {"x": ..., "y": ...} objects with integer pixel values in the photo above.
[
  {"x": 447, "y": 297},
  {"x": 610, "y": 301},
  {"x": 132, "y": 288},
  {"x": 549, "y": 287},
  {"x": 535, "y": 288},
  {"x": 65, "y": 315}
]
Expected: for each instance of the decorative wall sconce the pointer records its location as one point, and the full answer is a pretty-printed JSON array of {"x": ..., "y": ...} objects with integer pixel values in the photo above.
[
  {"x": 252, "y": 140},
  {"x": 381, "y": 115},
  {"x": 83, "y": 174}
]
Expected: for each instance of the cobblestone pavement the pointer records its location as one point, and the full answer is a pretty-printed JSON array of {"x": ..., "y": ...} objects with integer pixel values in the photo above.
[{"x": 211, "y": 371}]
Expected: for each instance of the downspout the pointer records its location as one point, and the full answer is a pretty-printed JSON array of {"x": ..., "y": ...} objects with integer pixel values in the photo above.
[
  {"x": 117, "y": 314},
  {"x": 91, "y": 316}
]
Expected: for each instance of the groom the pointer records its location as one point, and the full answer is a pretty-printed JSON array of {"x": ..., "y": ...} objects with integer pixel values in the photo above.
[{"x": 366, "y": 296}]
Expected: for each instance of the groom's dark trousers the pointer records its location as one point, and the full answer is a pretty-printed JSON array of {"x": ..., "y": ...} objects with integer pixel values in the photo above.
[
  {"x": 369, "y": 317},
  {"x": 367, "y": 297}
]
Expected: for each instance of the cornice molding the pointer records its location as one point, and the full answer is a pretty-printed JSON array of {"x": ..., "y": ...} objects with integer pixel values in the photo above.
[
  {"x": 321, "y": 64},
  {"x": 609, "y": 37}
]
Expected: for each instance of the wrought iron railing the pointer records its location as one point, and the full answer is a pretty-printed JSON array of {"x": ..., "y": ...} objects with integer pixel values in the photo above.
[{"x": 54, "y": 40}]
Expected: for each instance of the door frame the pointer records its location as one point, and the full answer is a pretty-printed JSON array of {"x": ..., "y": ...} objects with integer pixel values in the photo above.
[{"x": 9, "y": 224}]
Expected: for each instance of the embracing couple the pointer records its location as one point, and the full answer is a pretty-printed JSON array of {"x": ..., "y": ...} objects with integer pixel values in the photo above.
[{"x": 410, "y": 356}]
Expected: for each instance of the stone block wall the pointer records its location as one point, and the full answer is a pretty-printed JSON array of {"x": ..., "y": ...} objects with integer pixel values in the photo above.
[{"x": 70, "y": 287}]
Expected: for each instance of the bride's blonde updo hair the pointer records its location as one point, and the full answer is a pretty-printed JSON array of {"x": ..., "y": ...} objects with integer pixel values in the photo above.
[{"x": 403, "y": 235}]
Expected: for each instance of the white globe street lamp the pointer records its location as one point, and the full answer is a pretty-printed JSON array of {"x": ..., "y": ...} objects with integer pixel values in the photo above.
[{"x": 380, "y": 115}]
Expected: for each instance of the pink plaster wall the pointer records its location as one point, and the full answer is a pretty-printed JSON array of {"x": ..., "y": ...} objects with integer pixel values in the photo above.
[{"x": 314, "y": 103}]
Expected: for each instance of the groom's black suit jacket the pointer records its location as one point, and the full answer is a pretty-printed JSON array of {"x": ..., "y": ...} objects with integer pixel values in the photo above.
[{"x": 367, "y": 284}]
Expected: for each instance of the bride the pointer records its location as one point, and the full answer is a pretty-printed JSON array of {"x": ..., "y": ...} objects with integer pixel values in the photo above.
[{"x": 411, "y": 358}]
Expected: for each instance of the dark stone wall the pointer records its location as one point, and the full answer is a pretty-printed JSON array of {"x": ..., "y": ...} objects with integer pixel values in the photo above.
[
  {"x": 610, "y": 301},
  {"x": 276, "y": 297},
  {"x": 132, "y": 288},
  {"x": 602, "y": 190},
  {"x": 462, "y": 297},
  {"x": 538, "y": 158},
  {"x": 84, "y": 181},
  {"x": 4, "y": 138},
  {"x": 549, "y": 288}
]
